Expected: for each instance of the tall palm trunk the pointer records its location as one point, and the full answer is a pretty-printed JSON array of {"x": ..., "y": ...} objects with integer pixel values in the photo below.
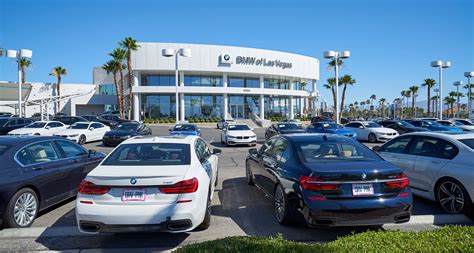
[
  {"x": 343, "y": 97},
  {"x": 23, "y": 74},
  {"x": 122, "y": 89},
  {"x": 58, "y": 92},
  {"x": 335, "y": 102},
  {"x": 117, "y": 88},
  {"x": 413, "y": 105},
  {"x": 429, "y": 97},
  {"x": 130, "y": 84}
]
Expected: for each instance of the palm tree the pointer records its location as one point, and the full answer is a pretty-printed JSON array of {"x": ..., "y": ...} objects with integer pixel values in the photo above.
[
  {"x": 413, "y": 90},
  {"x": 332, "y": 64},
  {"x": 331, "y": 85},
  {"x": 303, "y": 87},
  {"x": 119, "y": 56},
  {"x": 112, "y": 66},
  {"x": 429, "y": 83},
  {"x": 24, "y": 64},
  {"x": 344, "y": 81},
  {"x": 450, "y": 102},
  {"x": 129, "y": 44},
  {"x": 469, "y": 94},
  {"x": 382, "y": 102},
  {"x": 58, "y": 72}
]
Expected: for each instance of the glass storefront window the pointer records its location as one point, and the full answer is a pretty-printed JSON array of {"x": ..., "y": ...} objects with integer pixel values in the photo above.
[
  {"x": 107, "y": 89},
  {"x": 159, "y": 106},
  {"x": 236, "y": 82},
  {"x": 203, "y": 106},
  {"x": 276, "y": 106},
  {"x": 271, "y": 83},
  {"x": 158, "y": 80},
  {"x": 206, "y": 81},
  {"x": 241, "y": 107}
]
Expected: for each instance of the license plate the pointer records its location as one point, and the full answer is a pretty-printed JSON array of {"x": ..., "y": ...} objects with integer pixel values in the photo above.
[
  {"x": 362, "y": 189},
  {"x": 134, "y": 195}
]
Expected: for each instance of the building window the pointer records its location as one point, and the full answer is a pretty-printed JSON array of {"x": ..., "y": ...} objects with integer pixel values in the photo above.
[
  {"x": 276, "y": 106},
  {"x": 158, "y": 80},
  {"x": 275, "y": 83},
  {"x": 205, "y": 81},
  {"x": 244, "y": 82},
  {"x": 236, "y": 82},
  {"x": 203, "y": 106},
  {"x": 159, "y": 106},
  {"x": 107, "y": 89},
  {"x": 242, "y": 107}
]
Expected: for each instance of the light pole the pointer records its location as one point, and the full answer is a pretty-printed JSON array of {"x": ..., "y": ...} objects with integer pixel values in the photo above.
[
  {"x": 437, "y": 98},
  {"x": 469, "y": 75},
  {"x": 18, "y": 54},
  {"x": 336, "y": 56},
  {"x": 184, "y": 52},
  {"x": 440, "y": 65},
  {"x": 457, "y": 84}
]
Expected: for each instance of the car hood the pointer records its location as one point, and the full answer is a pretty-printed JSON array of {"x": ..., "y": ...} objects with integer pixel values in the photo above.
[
  {"x": 339, "y": 131},
  {"x": 241, "y": 133},
  {"x": 384, "y": 130},
  {"x": 184, "y": 132},
  {"x": 445, "y": 128},
  {"x": 417, "y": 129},
  {"x": 71, "y": 131},
  {"x": 353, "y": 170},
  {"x": 26, "y": 130},
  {"x": 120, "y": 133},
  {"x": 292, "y": 131}
]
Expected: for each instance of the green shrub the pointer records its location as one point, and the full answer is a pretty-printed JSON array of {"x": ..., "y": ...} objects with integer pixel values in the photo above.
[{"x": 445, "y": 239}]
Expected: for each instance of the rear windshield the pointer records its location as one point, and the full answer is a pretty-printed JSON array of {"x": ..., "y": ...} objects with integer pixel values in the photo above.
[
  {"x": 313, "y": 152},
  {"x": 128, "y": 127},
  {"x": 468, "y": 142},
  {"x": 287, "y": 126},
  {"x": 150, "y": 154},
  {"x": 184, "y": 128},
  {"x": 79, "y": 126},
  {"x": 36, "y": 125}
]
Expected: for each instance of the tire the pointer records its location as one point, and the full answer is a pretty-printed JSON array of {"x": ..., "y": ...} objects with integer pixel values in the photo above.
[
  {"x": 206, "y": 223},
  {"x": 82, "y": 140},
  {"x": 28, "y": 197},
  {"x": 248, "y": 174},
  {"x": 453, "y": 197},
  {"x": 281, "y": 206},
  {"x": 217, "y": 178},
  {"x": 217, "y": 126},
  {"x": 36, "y": 134},
  {"x": 372, "y": 138},
  {"x": 222, "y": 142}
]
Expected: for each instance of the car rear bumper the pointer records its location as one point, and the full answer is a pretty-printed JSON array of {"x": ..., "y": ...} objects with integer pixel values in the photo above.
[
  {"x": 359, "y": 212},
  {"x": 112, "y": 142},
  {"x": 166, "y": 226}
]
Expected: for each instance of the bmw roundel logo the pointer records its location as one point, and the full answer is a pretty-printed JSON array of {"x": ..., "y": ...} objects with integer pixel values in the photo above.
[
  {"x": 133, "y": 180},
  {"x": 226, "y": 57},
  {"x": 363, "y": 176}
]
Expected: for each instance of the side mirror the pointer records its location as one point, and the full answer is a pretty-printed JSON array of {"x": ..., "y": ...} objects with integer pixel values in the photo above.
[
  {"x": 216, "y": 151},
  {"x": 253, "y": 151},
  {"x": 376, "y": 148},
  {"x": 47, "y": 127},
  {"x": 361, "y": 127},
  {"x": 251, "y": 129},
  {"x": 170, "y": 129},
  {"x": 92, "y": 152}
]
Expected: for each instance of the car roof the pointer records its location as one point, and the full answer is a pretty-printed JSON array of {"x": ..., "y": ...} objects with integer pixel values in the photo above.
[
  {"x": 188, "y": 139},
  {"x": 51, "y": 121},
  {"x": 186, "y": 124},
  {"x": 297, "y": 137},
  {"x": 15, "y": 140},
  {"x": 362, "y": 121},
  {"x": 449, "y": 135}
]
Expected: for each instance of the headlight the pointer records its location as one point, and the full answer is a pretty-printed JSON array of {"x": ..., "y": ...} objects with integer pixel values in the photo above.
[
  {"x": 253, "y": 136},
  {"x": 73, "y": 135},
  {"x": 126, "y": 136},
  {"x": 354, "y": 135},
  {"x": 230, "y": 136}
]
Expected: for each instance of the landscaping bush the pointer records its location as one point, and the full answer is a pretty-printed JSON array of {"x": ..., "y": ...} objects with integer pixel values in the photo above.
[{"x": 446, "y": 239}]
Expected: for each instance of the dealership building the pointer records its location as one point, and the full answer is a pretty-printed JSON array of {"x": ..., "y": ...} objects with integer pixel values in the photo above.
[{"x": 216, "y": 82}]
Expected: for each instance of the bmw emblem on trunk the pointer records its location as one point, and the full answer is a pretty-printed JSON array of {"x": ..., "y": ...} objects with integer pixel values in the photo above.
[
  {"x": 363, "y": 176},
  {"x": 133, "y": 180}
]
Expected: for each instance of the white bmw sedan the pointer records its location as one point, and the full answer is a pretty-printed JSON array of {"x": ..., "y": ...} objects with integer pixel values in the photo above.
[
  {"x": 150, "y": 184},
  {"x": 43, "y": 128},
  {"x": 371, "y": 131},
  {"x": 82, "y": 132},
  {"x": 235, "y": 134},
  {"x": 439, "y": 165}
]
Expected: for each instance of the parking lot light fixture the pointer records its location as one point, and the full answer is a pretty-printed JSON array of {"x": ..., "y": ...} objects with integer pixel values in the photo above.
[
  {"x": 336, "y": 56},
  {"x": 440, "y": 65},
  {"x": 457, "y": 84},
  {"x": 184, "y": 52},
  {"x": 469, "y": 75},
  {"x": 18, "y": 54}
]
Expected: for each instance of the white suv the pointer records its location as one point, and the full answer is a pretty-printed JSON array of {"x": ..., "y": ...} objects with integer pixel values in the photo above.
[{"x": 150, "y": 184}]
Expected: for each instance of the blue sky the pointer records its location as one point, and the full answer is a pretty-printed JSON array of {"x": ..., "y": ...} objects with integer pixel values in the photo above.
[{"x": 392, "y": 42}]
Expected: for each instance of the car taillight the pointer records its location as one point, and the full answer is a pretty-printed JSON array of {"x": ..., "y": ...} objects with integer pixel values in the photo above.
[
  {"x": 89, "y": 188},
  {"x": 316, "y": 184},
  {"x": 400, "y": 181},
  {"x": 186, "y": 186}
]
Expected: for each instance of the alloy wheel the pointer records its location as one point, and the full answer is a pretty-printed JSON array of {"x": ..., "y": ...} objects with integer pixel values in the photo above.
[
  {"x": 25, "y": 209},
  {"x": 279, "y": 204},
  {"x": 451, "y": 197}
]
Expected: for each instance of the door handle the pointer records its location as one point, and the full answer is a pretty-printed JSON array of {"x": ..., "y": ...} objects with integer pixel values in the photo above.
[
  {"x": 435, "y": 161},
  {"x": 75, "y": 160},
  {"x": 37, "y": 168}
]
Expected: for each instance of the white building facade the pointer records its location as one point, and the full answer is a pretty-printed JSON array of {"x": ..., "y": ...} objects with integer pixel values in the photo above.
[{"x": 216, "y": 82}]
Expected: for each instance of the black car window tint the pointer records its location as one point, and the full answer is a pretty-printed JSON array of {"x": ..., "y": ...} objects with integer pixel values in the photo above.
[
  {"x": 71, "y": 149},
  {"x": 266, "y": 146},
  {"x": 20, "y": 122},
  {"x": 11, "y": 122},
  {"x": 200, "y": 150},
  {"x": 96, "y": 125},
  {"x": 43, "y": 152},
  {"x": 398, "y": 145},
  {"x": 24, "y": 157},
  {"x": 425, "y": 146},
  {"x": 286, "y": 154},
  {"x": 278, "y": 148},
  {"x": 447, "y": 150}
]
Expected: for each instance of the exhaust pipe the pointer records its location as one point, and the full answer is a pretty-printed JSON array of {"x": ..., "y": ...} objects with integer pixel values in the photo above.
[
  {"x": 402, "y": 218},
  {"x": 90, "y": 227}
]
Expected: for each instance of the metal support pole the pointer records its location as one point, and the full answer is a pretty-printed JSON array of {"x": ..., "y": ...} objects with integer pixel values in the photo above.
[
  {"x": 176, "y": 83},
  {"x": 19, "y": 85},
  {"x": 336, "y": 106},
  {"x": 459, "y": 105},
  {"x": 469, "y": 97},
  {"x": 441, "y": 92}
]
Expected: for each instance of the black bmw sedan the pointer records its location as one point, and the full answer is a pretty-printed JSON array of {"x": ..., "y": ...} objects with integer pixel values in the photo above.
[
  {"x": 402, "y": 127},
  {"x": 38, "y": 172},
  {"x": 283, "y": 128},
  {"x": 331, "y": 180},
  {"x": 124, "y": 131}
]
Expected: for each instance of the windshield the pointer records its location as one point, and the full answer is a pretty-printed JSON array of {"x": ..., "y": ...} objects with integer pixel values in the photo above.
[
  {"x": 149, "y": 154},
  {"x": 79, "y": 126},
  {"x": 405, "y": 124},
  {"x": 331, "y": 126},
  {"x": 237, "y": 127},
  {"x": 468, "y": 142},
  {"x": 288, "y": 126},
  {"x": 311, "y": 152},
  {"x": 184, "y": 128},
  {"x": 127, "y": 127},
  {"x": 3, "y": 121},
  {"x": 433, "y": 123},
  {"x": 90, "y": 118},
  {"x": 370, "y": 124},
  {"x": 464, "y": 122},
  {"x": 36, "y": 125}
]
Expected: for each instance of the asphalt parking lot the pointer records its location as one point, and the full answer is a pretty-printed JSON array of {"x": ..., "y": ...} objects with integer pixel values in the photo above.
[{"x": 238, "y": 209}]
